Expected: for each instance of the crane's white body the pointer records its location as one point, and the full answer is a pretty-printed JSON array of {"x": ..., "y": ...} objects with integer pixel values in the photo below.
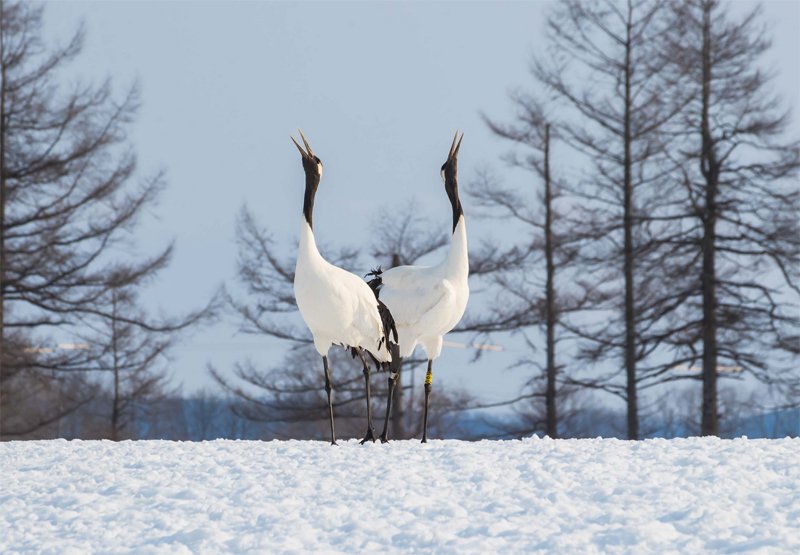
[
  {"x": 428, "y": 301},
  {"x": 337, "y": 306}
]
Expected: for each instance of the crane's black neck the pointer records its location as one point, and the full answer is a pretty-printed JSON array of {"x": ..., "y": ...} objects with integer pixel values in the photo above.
[
  {"x": 451, "y": 186},
  {"x": 312, "y": 182}
]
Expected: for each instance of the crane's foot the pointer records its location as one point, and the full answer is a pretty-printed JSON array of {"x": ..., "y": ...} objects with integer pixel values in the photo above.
[
  {"x": 424, "y": 440},
  {"x": 370, "y": 435}
]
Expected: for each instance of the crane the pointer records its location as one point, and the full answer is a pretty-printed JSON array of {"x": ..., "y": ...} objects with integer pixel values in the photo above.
[
  {"x": 338, "y": 307},
  {"x": 428, "y": 301}
]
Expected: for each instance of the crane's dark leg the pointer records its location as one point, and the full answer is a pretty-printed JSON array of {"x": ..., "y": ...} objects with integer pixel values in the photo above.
[
  {"x": 328, "y": 388},
  {"x": 394, "y": 374},
  {"x": 392, "y": 383},
  {"x": 370, "y": 429},
  {"x": 428, "y": 385}
]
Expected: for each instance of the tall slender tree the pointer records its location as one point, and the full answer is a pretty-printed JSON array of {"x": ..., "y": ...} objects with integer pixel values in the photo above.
[
  {"x": 740, "y": 239},
  {"x": 599, "y": 66},
  {"x": 132, "y": 360},
  {"x": 531, "y": 298}
]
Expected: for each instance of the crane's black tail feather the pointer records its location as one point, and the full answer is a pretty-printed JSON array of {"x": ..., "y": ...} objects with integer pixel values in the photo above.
[
  {"x": 389, "y": 327},
  {"x": 376, "y": 282},
  {"x": 389, "y": 338}
]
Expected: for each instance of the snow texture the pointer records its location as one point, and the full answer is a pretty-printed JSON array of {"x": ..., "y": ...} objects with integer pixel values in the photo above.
[{"x": 535, "y": 495}]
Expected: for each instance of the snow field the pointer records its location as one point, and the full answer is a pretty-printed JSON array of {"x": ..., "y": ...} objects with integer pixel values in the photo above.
[{"x": 699, "y": 495}]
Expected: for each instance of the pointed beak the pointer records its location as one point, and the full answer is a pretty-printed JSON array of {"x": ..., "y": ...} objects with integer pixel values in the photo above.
[
  {"x": 453, "y": 146},
  {"x": 458, "y": 146},
  {"x": 305, "y": 142},
  {"x": 302, "y": 152}
]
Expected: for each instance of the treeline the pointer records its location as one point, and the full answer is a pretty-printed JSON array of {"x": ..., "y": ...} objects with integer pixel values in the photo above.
[
  {"x": 207, "y": 415},
  {"x": 651, "y": 249}
]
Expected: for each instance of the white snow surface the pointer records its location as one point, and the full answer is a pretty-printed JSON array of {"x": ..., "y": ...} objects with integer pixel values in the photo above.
[{"x": 699, "y": 495}]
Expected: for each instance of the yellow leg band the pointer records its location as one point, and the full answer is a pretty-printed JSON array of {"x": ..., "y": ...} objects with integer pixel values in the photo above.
[{"x": 428, "y": 378}]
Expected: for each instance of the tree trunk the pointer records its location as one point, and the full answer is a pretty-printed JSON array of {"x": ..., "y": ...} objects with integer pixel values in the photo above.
[
  {"x": 551, "y": 419},
  {"x": 710, "y": 170},
  {"x": 630, "y": 315},
  {"x": 2, "y": 209},
  {"x": 115, "y": 432},
  {"x": 398, "y": 416}
]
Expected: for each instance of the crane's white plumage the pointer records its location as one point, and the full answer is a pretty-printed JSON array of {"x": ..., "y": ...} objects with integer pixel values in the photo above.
[
  {"x": 428, "y": 301},
  {"x": 337, "y": 306}
]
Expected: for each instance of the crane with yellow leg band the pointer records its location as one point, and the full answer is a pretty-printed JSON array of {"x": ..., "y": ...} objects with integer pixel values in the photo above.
[{"x": 428, "y": 301}]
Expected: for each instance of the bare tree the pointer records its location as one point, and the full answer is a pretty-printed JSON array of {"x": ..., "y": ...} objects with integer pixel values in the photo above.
[
  {"x": 69, "y": 197},
  {"x": 525, "y": 273},
  {"x": 134, "y": 357},
  {"x": 599, "y": 67},
  {"x": 36, "y": 397},
  {"x": 739, "y": 244}
]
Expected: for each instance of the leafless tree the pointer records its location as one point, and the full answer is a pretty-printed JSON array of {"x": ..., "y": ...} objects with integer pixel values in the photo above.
[
  {"x": 739, "y": 240},
  {"x": 69, "y": 199},
  {"x": 524, "y": 274},
  {"x": 132, "y": 350},
  {"x": 614, "y": 104},
  {"x": 34, "y": 402}
]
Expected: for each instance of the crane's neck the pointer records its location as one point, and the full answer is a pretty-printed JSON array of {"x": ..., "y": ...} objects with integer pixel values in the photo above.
[
  {"x": 457, "y": 263},
  {"x": 457, "y": 259},
  {"x": 312, "y": 182},
  {"x": 307, "y": 252},
  {"x": 451, "y": 186}
]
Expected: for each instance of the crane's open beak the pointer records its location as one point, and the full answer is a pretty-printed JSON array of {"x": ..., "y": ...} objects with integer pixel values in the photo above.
[
  {"x": 305, "y": 142},
  {"x": 302, "y": 152},
  {"x": 308, "y": 153},
  {"x": 455, "y": 146}
]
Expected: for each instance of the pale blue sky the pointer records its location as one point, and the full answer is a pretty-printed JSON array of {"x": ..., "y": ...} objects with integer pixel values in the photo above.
[{"x": 379, "y": 89}]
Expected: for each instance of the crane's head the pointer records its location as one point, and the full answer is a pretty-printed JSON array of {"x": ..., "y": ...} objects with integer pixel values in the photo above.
[
  {"x": 450, "y": 177},
  {"x": 450, "y": 167},
  {"x": 311, "y": 162}
]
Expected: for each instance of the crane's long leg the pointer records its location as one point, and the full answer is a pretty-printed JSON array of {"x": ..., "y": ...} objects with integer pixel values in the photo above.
[
  {"x": 394, "y": 375},
  {"x": 428, "y": 386},
  {"x": 370, "y": 429},
  {"x": 392, "y": 383},
  {"x": 328, "y": 389}
]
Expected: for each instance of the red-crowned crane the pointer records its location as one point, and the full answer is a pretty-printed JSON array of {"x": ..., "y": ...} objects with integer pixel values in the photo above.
[
  {"x": 337, "y": 306},
  {"x": 428, "y": 301}
]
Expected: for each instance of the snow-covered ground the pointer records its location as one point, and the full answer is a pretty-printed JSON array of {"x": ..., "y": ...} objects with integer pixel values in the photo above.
[{"x": 535, "y": 495}]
